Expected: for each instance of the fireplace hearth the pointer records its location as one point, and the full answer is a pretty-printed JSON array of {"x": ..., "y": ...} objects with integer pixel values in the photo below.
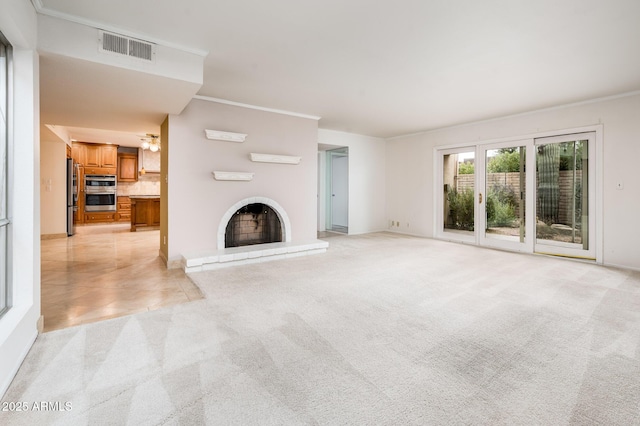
[{"x": 252, "y": 224}]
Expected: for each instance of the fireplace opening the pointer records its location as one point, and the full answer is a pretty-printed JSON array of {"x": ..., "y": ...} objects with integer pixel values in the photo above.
[{"x": 253, "y": 224}]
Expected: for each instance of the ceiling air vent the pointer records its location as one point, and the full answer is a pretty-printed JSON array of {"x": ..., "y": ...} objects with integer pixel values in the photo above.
[{"x": 127, "y": 46}]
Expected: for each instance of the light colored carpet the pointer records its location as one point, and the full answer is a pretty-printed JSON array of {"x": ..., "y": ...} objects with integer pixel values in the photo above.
[{"x": 382, "y": 329}]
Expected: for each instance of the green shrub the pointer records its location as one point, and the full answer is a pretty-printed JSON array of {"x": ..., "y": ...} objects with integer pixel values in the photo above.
[
  {"x": 501, "y": 202},
  {"x": 461, "y": 208},
  {"x": 501, "y": 214}
]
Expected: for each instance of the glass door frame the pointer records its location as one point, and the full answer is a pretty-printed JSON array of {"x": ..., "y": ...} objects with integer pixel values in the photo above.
[
  {"x": 441, "y": 233},
  {"x": 559, "y": 249},
  {"x": 480, "y": 147},
  {"x": 529, "y": 204}
]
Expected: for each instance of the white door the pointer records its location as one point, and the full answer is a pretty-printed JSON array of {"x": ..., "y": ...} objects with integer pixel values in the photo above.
[
  {"x": 456, "y": 185},
  {"x": 505, "y": 201},
  {"x": 339, "y": 192},
  {"x": 565, "y": 195},
  {"x": 533, "y": 195}
]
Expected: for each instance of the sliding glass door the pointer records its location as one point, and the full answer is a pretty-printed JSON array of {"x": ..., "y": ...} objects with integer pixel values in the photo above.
[
  {"x": 457, "y": 215},
  {"x": 532, "y": 195},
  {"x": 504, "y": 202},
  {"x": 565, "y": 208}
]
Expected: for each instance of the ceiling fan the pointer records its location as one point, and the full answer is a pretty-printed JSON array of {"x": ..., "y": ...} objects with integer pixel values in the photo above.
[{"x": 151, "y": 142}]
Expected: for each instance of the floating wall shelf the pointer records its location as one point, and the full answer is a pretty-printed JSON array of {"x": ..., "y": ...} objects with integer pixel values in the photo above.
[
  {"x": 272, "y": 158},
  {"x": 241, "y": 176},
  {"x": 225, "y": 136}
]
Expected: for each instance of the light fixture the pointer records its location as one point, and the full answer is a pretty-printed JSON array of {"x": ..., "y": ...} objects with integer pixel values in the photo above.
[
  {"x": 142, "y": 170},
  {"x": 151, "y": 142}
]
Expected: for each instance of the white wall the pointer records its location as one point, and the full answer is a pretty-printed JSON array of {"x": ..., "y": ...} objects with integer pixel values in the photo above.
[
  {"x": 18, "y": 327},
  {"x": 53, "y": 187},
  {"x": 410, "y": 177},
  {"x": 71, "y": 39},
  {"x": 367, "y": 184},
  {"x": 197, "y": 202}
]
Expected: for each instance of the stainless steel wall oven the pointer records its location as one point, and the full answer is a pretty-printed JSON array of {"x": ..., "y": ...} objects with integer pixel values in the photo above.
[{"x": 100, "y": 193}]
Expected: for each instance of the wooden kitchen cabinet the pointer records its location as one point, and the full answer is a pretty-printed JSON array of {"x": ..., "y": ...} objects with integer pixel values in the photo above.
[
  {"x": 94, "y": 155},
  {"x": 127, "y": 167},
  {"x": 145, "y": 212},
  {"x": 94, "y": 159},
  {"x": 124, "y": 208},
  {"x": 99, "y": 217},
  {"x": 78, "y": 213},
  {"x": 79, "y": 153},
  {"x": 109, "y": 156}
]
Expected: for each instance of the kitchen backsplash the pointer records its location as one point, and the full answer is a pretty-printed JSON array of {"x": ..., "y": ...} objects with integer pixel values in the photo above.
[
  {"x": 148, "y": 184},
  {"x": 149, "y": 160}
]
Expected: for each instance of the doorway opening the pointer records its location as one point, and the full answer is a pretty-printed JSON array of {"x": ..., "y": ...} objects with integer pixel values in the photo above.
[{"x": 337, "y": 171}]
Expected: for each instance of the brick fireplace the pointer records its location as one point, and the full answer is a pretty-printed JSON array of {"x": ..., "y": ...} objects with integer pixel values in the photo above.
[
  {"x": 251, "y": 221},
  {"x": 255, "y": 223},
  {"x": 245, "y": 216}
]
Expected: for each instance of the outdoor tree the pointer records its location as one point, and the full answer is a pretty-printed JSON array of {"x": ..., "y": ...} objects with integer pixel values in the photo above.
[
  {"x": 507, "y": 160},
  {"x": 465, "y": 168}
]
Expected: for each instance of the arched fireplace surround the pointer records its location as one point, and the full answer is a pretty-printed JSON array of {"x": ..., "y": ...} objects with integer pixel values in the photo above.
[{"x": 285, "y": 223}]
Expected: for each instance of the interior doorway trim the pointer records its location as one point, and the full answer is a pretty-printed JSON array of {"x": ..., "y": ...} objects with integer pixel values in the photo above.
[{"x": 337, "y": 191}]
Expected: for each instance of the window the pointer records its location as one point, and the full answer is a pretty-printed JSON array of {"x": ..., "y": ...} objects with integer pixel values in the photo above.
[{"x": 5, "y": 63}]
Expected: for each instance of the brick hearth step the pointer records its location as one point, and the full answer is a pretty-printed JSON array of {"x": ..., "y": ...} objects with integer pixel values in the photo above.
[{"x": 206, "y": 260}]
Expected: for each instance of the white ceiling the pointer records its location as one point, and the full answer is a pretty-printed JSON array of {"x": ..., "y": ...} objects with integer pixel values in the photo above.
[{"x": 375, "y": 68}]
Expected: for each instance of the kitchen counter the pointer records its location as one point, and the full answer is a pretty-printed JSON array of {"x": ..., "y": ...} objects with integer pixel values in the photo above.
[{"x": 145, "y": 212}]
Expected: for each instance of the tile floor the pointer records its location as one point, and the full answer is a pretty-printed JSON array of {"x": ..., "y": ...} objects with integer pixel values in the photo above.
[{"x": 105, "y": 271}]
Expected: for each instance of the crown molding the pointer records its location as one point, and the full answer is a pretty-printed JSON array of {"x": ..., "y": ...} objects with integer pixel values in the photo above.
[
  {"x": 43, "y": 10},
  {"x": 520, "y": 114},
  {"x": 259, "y": 108}
]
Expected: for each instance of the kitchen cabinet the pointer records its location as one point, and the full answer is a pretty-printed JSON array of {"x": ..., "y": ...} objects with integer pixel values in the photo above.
[
  {"x": 109, "y": 156},
  {"x": 145, "y": 211},
  {"x": 79, "y": 153},
  {"x": 93, "y": 155},
  {"x": 99, "y": 170},
  {"x": 124, "y": 208},
  {"x": 127, "y": 167},
  {"x": 78, "y": 213},
  {"x": 99, "y": 217},
  {"x": 94, "y": 159}
]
